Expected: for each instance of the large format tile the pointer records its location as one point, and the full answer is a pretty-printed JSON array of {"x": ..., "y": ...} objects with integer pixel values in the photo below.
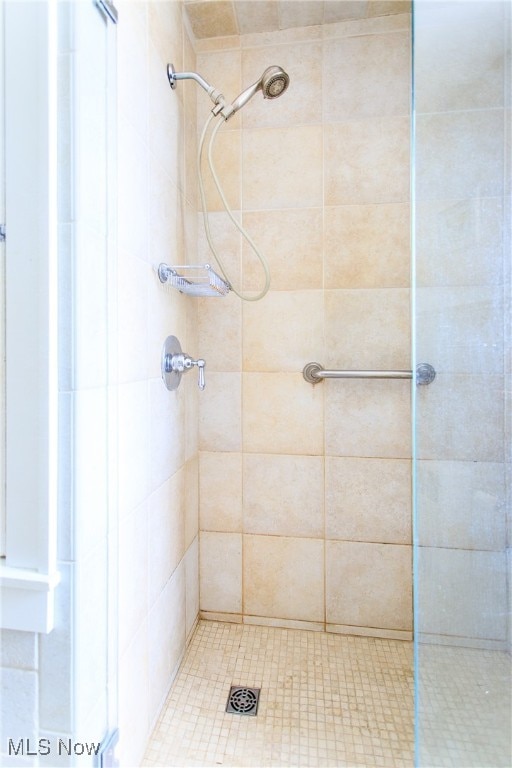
[
  {"x": 462, "y": 593},
  {"x": 367, "y": 246},
  {"x": 367, "y": 329},
  {"x": 284, "y": 495},
  {"x": 283, "y": 577},
  {"x": 367, "y": 161},
  {"x": 284, "y": 331},
  {"x": 461, "y": 504},
  {"x": 444, "y": 143},
  {"x": 220, "y": 491},
  {"x": 277, "y": 406},
  {"x": 366, "y": 76},
  {"x": 368, "y": 418},
  {"x": 368, "y": 500},
  {"x": 273, "y": 160},
  {"x": 369, "y": 585},
  {"x": 220, "y": 571}
]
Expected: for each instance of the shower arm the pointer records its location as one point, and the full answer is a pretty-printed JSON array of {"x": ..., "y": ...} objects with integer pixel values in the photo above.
[{"x": 215, "y": 95}]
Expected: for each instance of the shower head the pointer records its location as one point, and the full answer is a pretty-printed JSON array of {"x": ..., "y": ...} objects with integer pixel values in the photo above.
[{"x": 273, "y": 82}]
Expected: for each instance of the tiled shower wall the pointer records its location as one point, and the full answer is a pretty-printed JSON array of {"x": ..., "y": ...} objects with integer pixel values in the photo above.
[
  {"x": 305, "y": 512},
  {"x": 157, "y": 435},
  {"x": 463, "y": 310}
]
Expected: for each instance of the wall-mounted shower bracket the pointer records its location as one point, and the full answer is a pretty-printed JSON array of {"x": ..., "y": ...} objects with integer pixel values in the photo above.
[
  {"x": 175, "y": 363},
  {"x": 173, "y": 77}
]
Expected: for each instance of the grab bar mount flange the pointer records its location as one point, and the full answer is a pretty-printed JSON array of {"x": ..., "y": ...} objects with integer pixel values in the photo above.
[{"x": 311, "y": 371}]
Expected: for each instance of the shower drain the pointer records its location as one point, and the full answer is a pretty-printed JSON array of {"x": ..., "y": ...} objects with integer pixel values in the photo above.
[{"x": 242, "y": 700}]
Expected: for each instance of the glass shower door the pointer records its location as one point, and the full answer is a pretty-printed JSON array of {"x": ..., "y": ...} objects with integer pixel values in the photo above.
[{"x": 461, "y": 226}]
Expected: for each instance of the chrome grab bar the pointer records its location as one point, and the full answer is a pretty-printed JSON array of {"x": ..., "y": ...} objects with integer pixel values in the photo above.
[{"x": 314, "y": 372}]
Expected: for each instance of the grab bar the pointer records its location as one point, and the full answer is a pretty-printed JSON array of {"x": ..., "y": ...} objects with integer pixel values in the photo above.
[{"x": 314, "y": 372}]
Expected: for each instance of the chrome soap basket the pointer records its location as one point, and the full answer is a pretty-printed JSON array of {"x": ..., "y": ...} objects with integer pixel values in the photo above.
[{"x": 194, "y": 280}]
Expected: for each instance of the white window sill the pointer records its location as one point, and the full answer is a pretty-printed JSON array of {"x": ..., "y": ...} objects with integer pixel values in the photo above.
[{"x": 27, "y": 599}]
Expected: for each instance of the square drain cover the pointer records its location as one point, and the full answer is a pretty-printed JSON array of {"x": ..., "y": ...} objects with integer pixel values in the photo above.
[{"x": 243, "y": 700}]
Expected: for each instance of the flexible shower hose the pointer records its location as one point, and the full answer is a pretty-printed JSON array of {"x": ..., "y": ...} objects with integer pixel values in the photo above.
[{"x": 242, "y": 231}]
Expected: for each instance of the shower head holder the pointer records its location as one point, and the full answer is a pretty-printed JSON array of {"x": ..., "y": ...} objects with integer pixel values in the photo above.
[
  {"x": 273, "y": 82},
  {"x": 173, "y": 77}
]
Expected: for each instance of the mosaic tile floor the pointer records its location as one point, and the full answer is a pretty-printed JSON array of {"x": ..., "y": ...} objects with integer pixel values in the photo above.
[
  {"x": 464, "y": 708},
  {"x": 326, "y": 700}
]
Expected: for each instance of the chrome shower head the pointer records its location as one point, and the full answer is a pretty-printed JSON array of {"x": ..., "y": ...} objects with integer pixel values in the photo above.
[{"x": 273, "y": 82}]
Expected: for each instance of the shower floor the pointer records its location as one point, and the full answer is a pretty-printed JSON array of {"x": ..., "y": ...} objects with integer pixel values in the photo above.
[{"x": 326, "y": 700}]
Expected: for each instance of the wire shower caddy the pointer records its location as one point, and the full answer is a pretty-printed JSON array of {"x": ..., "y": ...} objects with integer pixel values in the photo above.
[{"x": 194, "y": 280}]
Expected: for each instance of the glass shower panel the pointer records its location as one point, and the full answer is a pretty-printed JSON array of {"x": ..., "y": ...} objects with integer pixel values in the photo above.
[{"x": 461, "y": 215}]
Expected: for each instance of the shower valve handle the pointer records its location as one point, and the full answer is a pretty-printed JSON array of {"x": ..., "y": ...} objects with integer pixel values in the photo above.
[
  {"x": 175, "y": 363},
  {"x": 182, "y": 362},
  {"x": 200, "y": 366}
]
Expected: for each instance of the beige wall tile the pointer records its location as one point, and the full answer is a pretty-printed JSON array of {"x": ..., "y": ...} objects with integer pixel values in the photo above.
[
  {"x": 256, "y": 18},
  {"x": 366, "y": 76},
  {"x": 222, "y": 70},
  {"x": 452, "y": 138},
  {"x": 220, "y": 412},
  {"x": 133, "y": 574},
  {"x": 367, "y": 418},
  {"x": 226, "y": 242},
  {"x": 277, "y": 406},
  {"x": 384, "y": 7},
  {"x": 284, "y": 495},
  {"x": 301, "y": 103},
  {"x": 166, "y": 637},
  {"x": 284, "y": 331},
  {"x": 166, "y": 533},
  {"x": 220, "y": 488},
  {"x": 166, "y": 30},
  {"x": 273, "y": 162},
  {"x": 459, "y": 242},
  {"x": 461, "y": 505},
  {"x": 165, "y": 118},
  {"x": 167, "y": 417},
  {"x": 367, "y": 329},
  {"x": 220, "y": 568},
  {"x": 368, "y": 500},
  {"x": 368, "y": 26},
  {"x": 281, "y": 37},
  {"x": 367, "y": 161},
  {"x": 134, "y": 715},
  {"x": 209, "y": 18},
  {"x": 191, "y": 499},
  {"x": 226, "y": 162},
  {"x": 220, "y": 331},
  {"x": 133, "y": 436},
  {"x": 367, "y": 246},
  {"x": 461, "y": 416},
  {"x": 283, "y": 577},
  {"x": 291, "y": 241},
  {"x": 132, "y": 314},
  {"x": 369, "y": 585},
  {"x": 467, "y": 43},
  {"x": 461, "y": 328},
  {"x": 304, "y": 14},
  {"x": 132, "y": 174},
  {"x": 192, "y": 585},
  {"x": 350, "y": 9},
  {"x": 190, "y": 156},
  {"x": 462, "y": 593}
]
